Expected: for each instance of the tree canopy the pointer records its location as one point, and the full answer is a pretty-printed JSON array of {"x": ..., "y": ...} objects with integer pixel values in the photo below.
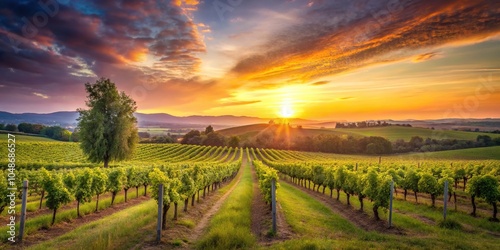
[{"x": 108, "y": 129}]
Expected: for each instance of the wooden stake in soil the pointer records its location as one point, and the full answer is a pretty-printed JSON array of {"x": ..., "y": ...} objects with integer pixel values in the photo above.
[
  {"x": 390, "y": 204},
  {"x": 273, "y": 203},
  {"x": 23, "y": 210},
  {"x": 160, "y": 207}
]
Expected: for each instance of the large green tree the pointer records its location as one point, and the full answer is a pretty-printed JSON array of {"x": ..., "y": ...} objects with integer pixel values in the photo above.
[{"x": 108, "y": 129}]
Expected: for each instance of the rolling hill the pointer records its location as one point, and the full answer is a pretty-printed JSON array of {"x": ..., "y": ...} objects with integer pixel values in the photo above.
[
  {"x": 486, "y": 153},
  {"x": 27, "y": 138},
  {"x": 392, "y": 133},
  {"x": 68, "y": 118}
]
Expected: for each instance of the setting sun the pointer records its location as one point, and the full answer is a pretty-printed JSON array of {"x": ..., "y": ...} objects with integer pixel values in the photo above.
[{"x": 286, "y": 110}]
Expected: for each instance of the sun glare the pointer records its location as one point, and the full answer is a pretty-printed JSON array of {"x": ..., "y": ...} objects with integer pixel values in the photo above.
[{"x": 286, "y": 110}]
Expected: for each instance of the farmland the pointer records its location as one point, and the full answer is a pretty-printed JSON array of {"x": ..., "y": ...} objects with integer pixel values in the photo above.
[
  {"x": 308, "y": 189},
  {"x": 391, "y": 133}
]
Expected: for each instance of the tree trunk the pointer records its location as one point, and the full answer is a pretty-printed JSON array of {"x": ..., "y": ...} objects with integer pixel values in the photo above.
[
  {"x": 314, "y": 187},
  {"x": 406, "y": 192},
  {"x": 395, "y": 191},
  {"x": 198, "y": 197},
  {"x": 164, "y": 222},
  {"x": 331, "y": 193},
  {"x": 137, "y": 192},
  {"x": 348, "y": 196},
  {"x": 456, "y": 184},
  {"x": 204, "y": 192},
  {"x": 78, "y": 208},
  {"x": 473, "y": 200},
  {"x": 416, "y": 199},
  {"x": 106, "y": 163},
  {"x": 126, "y": 190},
  {"x": 186, "y": 202},
  {"x": 338, "y": 194},
  {"x": 113, "y": 195},
  {"x": 449, "y": 196},
  {"x": 309, "y": 184},
  {"x": 375, "y": 212},
  {"x": 192, "y": 199},
  {"x": 324, "y": 189},
  {"x": 145, "y": 189},
  {"x": 433, "y": 198},
  {"x": 495, "y": 211},
  {"x": 360, "y": 198},
  {"x": 41, "y": 199},
  {"x": 175, "y": 210},
  {"x": 465, "y": 183},
  {"x": 455, "y": 199},
  {"x": 97, "y": 203},
  {"x": 54, "y": 216}
]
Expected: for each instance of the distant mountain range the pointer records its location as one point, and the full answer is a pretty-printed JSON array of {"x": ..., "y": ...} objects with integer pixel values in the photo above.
[{"x": 68, "y": 119}]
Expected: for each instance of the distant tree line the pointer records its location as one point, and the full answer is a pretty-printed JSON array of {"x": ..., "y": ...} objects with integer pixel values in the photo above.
[
  {"x": 146, "y": 137},
  {"x": 496, "y": 131},
  {"x": 368, "y": 124},
  {"x": 321, "y": 143},
  {"x": 419, "y": 144},
  {"x": 361, "y": 145},
  {"x": 54, "y": 132},
  {"x": 210, "y": 138}
]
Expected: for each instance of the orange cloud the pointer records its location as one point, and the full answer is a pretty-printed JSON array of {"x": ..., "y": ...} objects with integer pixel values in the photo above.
[
  {"x": 424, "y": 57},
  {"x": 322, "y": 47},
  {"x": 185, "y": 2}
]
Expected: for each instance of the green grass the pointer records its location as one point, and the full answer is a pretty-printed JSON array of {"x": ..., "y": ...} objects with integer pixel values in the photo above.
[
  {"x": 393, "y": 133},
  {"x": 126, "y": 229},
  {"x": 108, "y": 232},
  {"x": 243, "y": 129},
  {"x": 230, "y": 227},
  {"x": 309, "y": 217},
  {"x": 486, "y": 153},
  {"x": 187, "y": 223},
  {"x": 44, "y": 221},
  {"x": 33, "y": 203},
  {"x": 27, "y": 138},
  {"x": 317, "y": 227}
]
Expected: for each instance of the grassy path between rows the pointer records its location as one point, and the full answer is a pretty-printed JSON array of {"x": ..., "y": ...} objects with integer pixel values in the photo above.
[
  {"x": 230, "y": 227},
  {"x": 133, "y": 228},
  {"x": 106, "y": 233},
  {"x": 35, "y": 222},
  {"x": 318, "y": 227}
]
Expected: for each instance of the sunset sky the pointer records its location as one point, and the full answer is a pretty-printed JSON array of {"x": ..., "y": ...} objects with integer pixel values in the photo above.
[{"x": 315, "y": 59}]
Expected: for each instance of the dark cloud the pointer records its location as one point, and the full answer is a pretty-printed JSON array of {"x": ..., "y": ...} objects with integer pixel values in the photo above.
[
  {"x": 53, "y": 48},
  {"x": 114, "y": 32}
]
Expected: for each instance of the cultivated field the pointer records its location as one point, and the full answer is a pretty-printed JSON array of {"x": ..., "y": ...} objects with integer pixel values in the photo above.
[{"x": 219, "y": 199}]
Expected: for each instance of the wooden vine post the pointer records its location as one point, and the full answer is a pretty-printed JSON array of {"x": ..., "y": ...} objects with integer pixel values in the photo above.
[
  {"x": 273, "y": 203},
  {"x": 160, "y": 214}
]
